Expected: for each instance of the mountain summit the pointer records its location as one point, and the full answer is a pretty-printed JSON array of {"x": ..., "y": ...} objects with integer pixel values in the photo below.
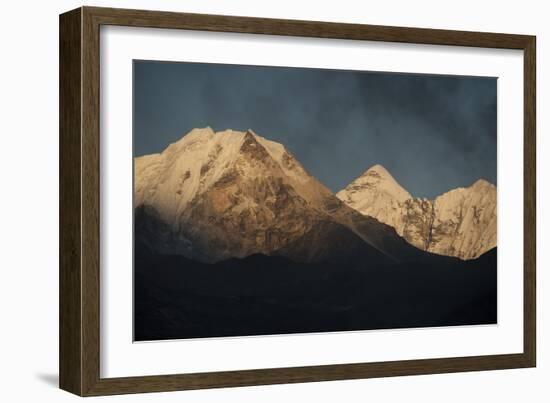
[
  {"x": 377, "y": 194},
  {"x": 213, "y": 196},
  {"x": 461, "y": 222}
]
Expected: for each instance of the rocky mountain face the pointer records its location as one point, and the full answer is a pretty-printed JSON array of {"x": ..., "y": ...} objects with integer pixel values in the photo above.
[
  {"x": 212, "y": 196},
  {"x": 461, "y": 222}
]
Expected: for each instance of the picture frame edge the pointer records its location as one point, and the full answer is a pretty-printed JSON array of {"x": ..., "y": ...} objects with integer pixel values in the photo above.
[
  {"x": 70, "y": 319},
  {"x": 79, "y": 355}
]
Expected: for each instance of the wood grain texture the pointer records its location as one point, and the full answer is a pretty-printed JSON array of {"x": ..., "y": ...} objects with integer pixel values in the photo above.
[
  {"x": 319, "y": 373},
  {"x": 90, "y": 202},
  {"x": 80, "y": 201},
  {"x": 316, "y": 29},
  {"x": 530, "y": 203},
  {"x": 70, "y": 313}
]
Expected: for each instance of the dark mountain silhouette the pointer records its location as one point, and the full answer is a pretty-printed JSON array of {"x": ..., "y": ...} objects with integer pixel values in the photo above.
[{"x": 176, "y": 297}]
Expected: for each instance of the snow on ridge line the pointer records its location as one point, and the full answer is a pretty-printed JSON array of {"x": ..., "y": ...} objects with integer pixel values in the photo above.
[
  {"x": 460, "y": 222},
  {"x": 189, "y": 166}
]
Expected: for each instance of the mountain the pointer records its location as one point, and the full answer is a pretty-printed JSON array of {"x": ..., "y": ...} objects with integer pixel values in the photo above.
[
  {"x": 460, "y": 223},
  {"x": 180, "y": 298},
  {"x": 213, "y": 196},
  {"x": 233, "y": 237}
]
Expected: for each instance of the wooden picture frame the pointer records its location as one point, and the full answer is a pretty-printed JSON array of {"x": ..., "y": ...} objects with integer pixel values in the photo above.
[{"x": 79, "y": 346}]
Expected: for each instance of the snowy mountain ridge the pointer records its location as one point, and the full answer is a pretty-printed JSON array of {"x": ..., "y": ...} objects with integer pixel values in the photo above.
[
  {"x": 461, "y": 222},
  {"x": 213, "y": 196},
  {"x": 201, "y": 158}
]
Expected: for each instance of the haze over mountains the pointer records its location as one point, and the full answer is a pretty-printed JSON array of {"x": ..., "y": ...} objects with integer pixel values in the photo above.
[{"x": 233, "y": 237}]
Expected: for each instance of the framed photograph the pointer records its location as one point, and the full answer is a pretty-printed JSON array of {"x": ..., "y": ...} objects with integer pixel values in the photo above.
[{"x": 249, "y": 201}]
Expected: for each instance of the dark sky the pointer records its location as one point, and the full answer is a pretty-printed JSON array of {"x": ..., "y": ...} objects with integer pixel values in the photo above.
[{"x": 433, "y": 133}]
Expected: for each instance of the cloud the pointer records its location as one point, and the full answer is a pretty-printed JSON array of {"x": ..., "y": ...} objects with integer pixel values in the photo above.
[{"x": 433, "y": 133}]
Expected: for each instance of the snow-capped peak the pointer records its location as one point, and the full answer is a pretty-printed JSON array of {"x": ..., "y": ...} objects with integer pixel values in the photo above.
[
  {"x": 195, "y": 135},
  {"x": 460, "y": 222},
  {"x": 210, "y": 196},
  {"x": 483, "y": 184},
  {"x": 379, "y": 177},
  {"x": 235, "y": 189},
  {"x": 379, "y": 169},
  {"x": 186, "y": 168},
  {"x": 373, "y": 188}
]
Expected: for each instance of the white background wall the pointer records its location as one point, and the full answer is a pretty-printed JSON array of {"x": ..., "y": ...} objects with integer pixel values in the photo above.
[{"x": 29, "y": 198}]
